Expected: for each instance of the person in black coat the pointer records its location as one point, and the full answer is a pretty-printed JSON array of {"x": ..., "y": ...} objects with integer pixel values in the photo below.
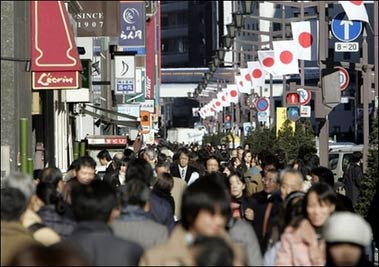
[
  {"x": 324, "y": 175},
  {"x": 260, "y": 201},
  {"x": 118, "y": 176},
  {"x": 353, "y": 176},
  {"x": 240, "y": 201},
  {"x": 93, "y": 206},
  {"x": 160, "y": 208},
  {"x": 162, "y": 188},
  {"x": 181, "y": 169},
  {"x": 105, "y": 159},
  {"x": 54, "y": 213}
]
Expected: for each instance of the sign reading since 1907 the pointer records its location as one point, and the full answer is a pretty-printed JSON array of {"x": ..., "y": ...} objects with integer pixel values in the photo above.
[{"x": 97, "y": 19}]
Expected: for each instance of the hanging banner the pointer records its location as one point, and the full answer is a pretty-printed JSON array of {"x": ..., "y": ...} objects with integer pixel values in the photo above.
[
  {"x": 55, "y": 62},
  {"x": 124, "y": 74},
  {"x": 124, "y": 66},
  {"x": 150, "y": 58},
  {"x": 133, "y": 20},
  {"x": 97, "y": 18},
  {"x": 158, "y": 57}
]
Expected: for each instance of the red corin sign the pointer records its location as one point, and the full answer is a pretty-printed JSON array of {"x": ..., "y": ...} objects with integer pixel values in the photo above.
[
  {"x": 55, "y": 60},
  {"x": 55, "y": 80}
]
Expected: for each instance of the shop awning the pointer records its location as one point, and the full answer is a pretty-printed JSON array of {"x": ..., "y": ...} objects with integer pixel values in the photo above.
[
  {"x": 110, "y": 116},
  {"x": 55, "y": 62}
]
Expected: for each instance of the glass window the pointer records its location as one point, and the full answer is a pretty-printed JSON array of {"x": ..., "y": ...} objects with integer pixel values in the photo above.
[
  {"x": 333, "y": 161},
  {"x": 177, "y": 45},
  {"x": 277, "y": 26},
  {"x": 164, "y": 21}
]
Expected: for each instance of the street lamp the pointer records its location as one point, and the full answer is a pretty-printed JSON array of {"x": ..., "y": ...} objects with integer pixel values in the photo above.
[
  {"x": 204, "y": 81},
  {"x": 237, "y": 19},
  {"x": 227, "y": 41},
  {"x": 221, "y": 54},
  {"x": 216, "y": 61},
  {"x": 231, "y": 30},
  {"x": 212, "y": 67},
  {"x": 207, "y": 76},
  {"x": 247, "y": 7}
]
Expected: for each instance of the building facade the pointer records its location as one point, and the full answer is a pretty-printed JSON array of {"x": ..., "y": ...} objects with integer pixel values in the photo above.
[{"x": 190, "y": 31}]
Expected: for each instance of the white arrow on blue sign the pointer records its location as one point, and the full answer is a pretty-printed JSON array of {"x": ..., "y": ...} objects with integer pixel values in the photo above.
[{"x": 346, "y": 30}]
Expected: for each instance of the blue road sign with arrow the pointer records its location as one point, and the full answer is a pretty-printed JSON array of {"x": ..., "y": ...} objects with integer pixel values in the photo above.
[{"x": 346, "y": 30}]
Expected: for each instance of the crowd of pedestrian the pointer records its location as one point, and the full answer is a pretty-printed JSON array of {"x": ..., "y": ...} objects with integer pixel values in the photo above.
[{"x": 186, "y": 206}]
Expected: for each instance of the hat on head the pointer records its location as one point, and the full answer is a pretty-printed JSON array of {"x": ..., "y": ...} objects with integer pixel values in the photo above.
[{"x": 347, "y": 227}]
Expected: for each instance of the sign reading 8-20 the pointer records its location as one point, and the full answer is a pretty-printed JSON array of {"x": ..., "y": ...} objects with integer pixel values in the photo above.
[{"x": 346, "y": 47}]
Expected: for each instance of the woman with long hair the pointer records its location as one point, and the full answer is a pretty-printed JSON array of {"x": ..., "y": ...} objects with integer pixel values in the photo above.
[
  {"x": 301, "y": 242},
  {"x": 54, "y": 211},
  {"x": 240, "y": 202}
]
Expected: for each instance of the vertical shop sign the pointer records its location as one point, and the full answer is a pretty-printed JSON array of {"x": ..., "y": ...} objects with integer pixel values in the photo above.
[
  {"x": 55, "y": 62},
  {"x": 97, "y": 18},
  {"x": 132, "y": 15},
  {"x": 125, "y": 74},
  {"x": 150, "y": 58}
]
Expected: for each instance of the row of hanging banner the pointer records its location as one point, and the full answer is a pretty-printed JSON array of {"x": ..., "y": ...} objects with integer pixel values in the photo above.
[{"x": 282, "y": 60}]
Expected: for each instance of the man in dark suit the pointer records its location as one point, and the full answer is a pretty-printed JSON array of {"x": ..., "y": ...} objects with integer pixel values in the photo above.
[
  {"x": 182, "y": 169},
  {"x": 260, "y": 200},
  {"x": 105, "y": 159},
  {"x": 353, "y": 177}
]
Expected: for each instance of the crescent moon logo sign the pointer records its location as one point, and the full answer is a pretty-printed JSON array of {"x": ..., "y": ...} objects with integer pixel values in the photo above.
[
  {"x": 130, "y": 14},
  {"x": 125, "y": 68}
]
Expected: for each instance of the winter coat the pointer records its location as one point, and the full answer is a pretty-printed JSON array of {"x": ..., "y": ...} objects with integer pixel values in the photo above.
[
  {"x": 167, "y": 196},
  {"x": 176, "y": 252},
  {"x": 300, "y": 247},
  {"x": 62, "y": 224},
  {"x": 135, "y": 225},
  {"x": 352, "y": 178},
  {"x": 259, "y": 203},
  {"x": 270, "y": 256},
  {"x": 177, "y": 192},
  {"x": 174, "y": 170},
  {"x": 242, "y": 204},
  {"x": 255, "y": 180},
  {"x": 96, "y": 241},
  {"x": 14, "y": 237},
  {"x": 242, "y": 233},
  {"x": 161, "y": 211}
]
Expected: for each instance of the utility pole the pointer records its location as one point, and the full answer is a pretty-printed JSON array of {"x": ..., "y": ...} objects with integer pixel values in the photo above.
[
  {"x": 376, "y": 56},
  {"x": 302, "y": 61},
  {"x": 366, "y": 86},
  {"x": 323, "y": 54}
]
